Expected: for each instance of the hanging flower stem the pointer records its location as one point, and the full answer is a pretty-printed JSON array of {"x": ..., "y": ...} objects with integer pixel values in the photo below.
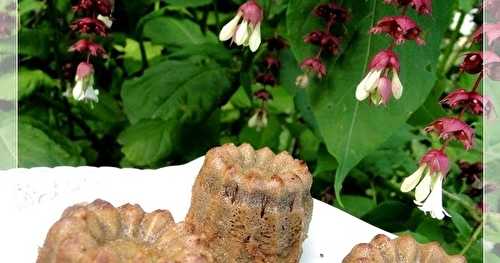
[{"x": 473, "y": 238}]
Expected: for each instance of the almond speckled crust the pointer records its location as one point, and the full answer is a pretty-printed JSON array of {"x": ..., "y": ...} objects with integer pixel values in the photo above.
[
  {"x": 253, "y": 206},
  {"x": 100, "y": 233},
  {"x": 400, "y": 250}
]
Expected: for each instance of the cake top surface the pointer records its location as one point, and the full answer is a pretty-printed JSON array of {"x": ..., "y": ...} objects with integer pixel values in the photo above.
[
  {"x": 258, "y": 168},
  {"x": 100, "y": 232},
  {"x": 402, "y": 249}
]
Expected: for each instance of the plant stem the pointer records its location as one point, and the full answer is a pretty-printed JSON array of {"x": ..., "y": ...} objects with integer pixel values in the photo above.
[
  {"x": 217, "y": 19},
  {"x": 449, "y": 49},
  {"x": 472, "y": 210},
  {"x": 473, "y": 238}
]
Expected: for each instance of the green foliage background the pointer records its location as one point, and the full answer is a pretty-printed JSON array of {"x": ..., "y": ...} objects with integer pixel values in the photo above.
[{"x": 170, "y": 91}]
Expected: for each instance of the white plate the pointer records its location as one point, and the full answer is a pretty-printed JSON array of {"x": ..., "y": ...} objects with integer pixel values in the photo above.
[{"x": 33, "y": 199}]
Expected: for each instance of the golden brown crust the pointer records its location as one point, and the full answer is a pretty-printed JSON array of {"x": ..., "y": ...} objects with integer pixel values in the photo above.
[
  {"x": 99, "y": 232},
  {"x": 400, "y": 250},
  {"x": 254, "y": 206}
]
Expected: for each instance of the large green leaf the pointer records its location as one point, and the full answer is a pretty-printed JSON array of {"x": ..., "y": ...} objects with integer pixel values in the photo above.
[
  {"x": 176, "y": 32},
  {"x": 40, "y": 145},
  {"x": 181, "y": 91},
  {"x": 169, "y": 96},
  {"x": 30, "y": 80},
  {"x": 148, "y": 141},
  {"x": 188, "y": 3},
  {"x": 353, "y": 129}
]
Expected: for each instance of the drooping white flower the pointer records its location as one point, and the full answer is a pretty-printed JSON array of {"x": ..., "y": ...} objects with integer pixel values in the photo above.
[
  {"x": 258, "y": 120},
  {"x": 84, "y": 86},
  {"x": 382, "y": 80},
  {"x": 427, "y": 181},
  {"x": 246, "y": 33},
  {"x": 434, "y": 202}
]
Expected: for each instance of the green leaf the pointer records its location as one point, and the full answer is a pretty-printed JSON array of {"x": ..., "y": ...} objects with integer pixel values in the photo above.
[
  {"x": 353, "y": 129},
  {"x": 461, "y": 224},
  {"x": 188, "y": 3},
  {"x": 168, "y": 97},
  {"x": 357, "y": 206},
  {"x": 35, "y": 42},
  {"x": 148, "y": 141},
  {"x": 132, "y": 54},
  {"x": 174, "y": 90},
  {"x": 389, "y": 215},
  {"x": 30, "y": 80},
  {"x": 177, "y": 32},
  {"x": 40, "y": 145},
  {"x": 430, "y": 228},
  {"x": 268, "y": 136},
  {"x": 28, "y": 6}
]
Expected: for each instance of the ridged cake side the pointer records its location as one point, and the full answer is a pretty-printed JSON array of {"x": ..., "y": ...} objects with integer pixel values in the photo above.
[
  {"x": 400, "y": 250},
  {"x": 99, "y": 232},
  {"x": 253, "y": 206}
]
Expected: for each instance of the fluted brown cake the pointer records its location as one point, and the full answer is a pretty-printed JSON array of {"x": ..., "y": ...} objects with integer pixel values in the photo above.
[
  {"x": 99, "y": 232},
  {"x": 400, "y": 250},
  {"x": 253, "y": 206}
]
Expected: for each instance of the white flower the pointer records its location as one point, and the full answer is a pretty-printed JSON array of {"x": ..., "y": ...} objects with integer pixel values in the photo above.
[
  {"x": 368, "y": 84},
  {"x": 246, "y": 33},
  {"x": 411, "y": 181},
  {"x": 258, "y": 120},
  {"x": 302, "y": 81},
  {"x": 434, "y": 165},
  {"x": 434, "y": 202},
  {"x": 106, "y": 20},
  {"x": 229, "y": 29},
  {"x": 382, "y": 81},
  {"x": 397, "y": 86},
  {"x": 84, "y": 86}
]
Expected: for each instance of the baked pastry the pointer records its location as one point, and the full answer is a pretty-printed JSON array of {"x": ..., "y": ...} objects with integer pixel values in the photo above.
[
  {"x": 253, "y": 206},
  {"x": 99, "y": 232},
  {"x": 403, "y": 249}
]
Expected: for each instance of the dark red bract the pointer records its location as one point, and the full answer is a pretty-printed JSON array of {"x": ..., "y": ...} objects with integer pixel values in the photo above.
[
  {"x": 266, "y": 79},
  {"x": 327, "y": 41},
  {"x": 103, "y": 7},
  {"x": 400, "y": 28},
  {"x": 263, "y": 95},
  {"x": 314, "y": 37},
  {"x": 252, "y": 12},
  {"x": 86, "y": 46},
  {"x": 332, "y": 12},
  {"x": 84, "y": 69},
  {"x": 276, "y": 43},
  {"x": 423, "y": 7},
  {"x": 460, "y": 98},
  {"x": 89, "y": 25},
  {"x": 314, "y": 65},
  {"x": 272, "y": 63},
  {"x": 437, "y": 161},
  {"x": 453, "y": 128},
  {"x": 385, "y": 59},
  {"x": 473, "y": 62}
]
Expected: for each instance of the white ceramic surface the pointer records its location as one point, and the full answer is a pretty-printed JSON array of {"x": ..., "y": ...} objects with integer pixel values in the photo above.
[{"x": 33, "y": 199}]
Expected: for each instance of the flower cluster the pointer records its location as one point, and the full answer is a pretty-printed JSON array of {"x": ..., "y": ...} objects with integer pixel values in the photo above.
[
  {"x": 267, "y": 76},
  {"x": 382, "y": 80},
  {"x": 452, "y": 128},
  {"x": 96, "y": 21},
  {"x": 244, "y": 28},
  {"x": 325, "y": 39}
]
